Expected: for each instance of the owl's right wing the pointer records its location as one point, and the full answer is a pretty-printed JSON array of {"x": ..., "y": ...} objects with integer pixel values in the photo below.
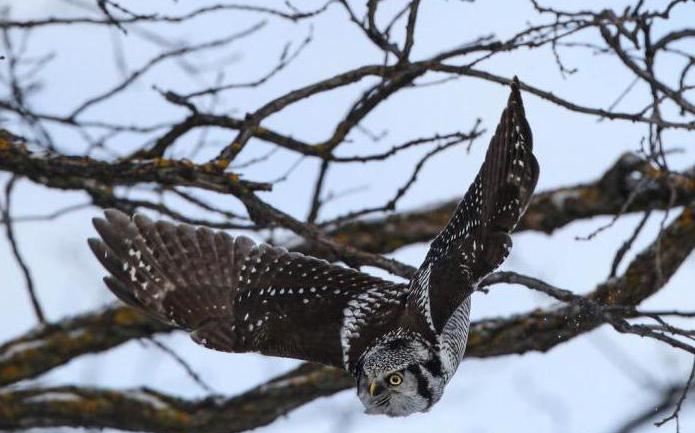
[
  {"x": 233, "y": 295},
  {"x": 476, "y": 240}
]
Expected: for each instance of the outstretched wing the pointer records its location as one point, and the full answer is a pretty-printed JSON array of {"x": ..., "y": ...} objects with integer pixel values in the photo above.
[
  {"x": 476, "y": 240},
  {"x": 231, "y": 294}
]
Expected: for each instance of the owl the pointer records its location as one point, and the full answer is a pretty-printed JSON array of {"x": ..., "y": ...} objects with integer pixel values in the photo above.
[{"x": 401, "y": 342}]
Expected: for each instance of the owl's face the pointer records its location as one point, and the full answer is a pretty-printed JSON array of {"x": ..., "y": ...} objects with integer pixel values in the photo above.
[{"x": 399, "y": 377}]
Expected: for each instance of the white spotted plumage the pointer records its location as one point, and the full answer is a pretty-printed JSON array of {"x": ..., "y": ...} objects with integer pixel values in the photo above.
[{"x": 236, "y": 296}]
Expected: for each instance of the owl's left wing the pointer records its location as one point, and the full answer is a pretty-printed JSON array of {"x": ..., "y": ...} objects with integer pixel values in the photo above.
[
  {"x": 476, "y": 240},
  {"x": 233, "y": 295}
]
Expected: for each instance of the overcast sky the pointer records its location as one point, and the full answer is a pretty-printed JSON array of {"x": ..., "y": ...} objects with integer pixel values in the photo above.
[{"x": 586, "y": 385}]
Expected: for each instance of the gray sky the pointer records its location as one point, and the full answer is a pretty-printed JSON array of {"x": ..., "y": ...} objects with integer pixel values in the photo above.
[{"x": 576, "y": 387}]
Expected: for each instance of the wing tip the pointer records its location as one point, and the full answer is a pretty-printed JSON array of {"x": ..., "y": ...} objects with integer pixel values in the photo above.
[
  {"x": 122, "y": 291},
  {"x": 114, "y": 212},
  {"x": 112, "y": 220},
  {"x": 515, "y": 95},
  {"x": 142, "y": 220},
  {"x": 96, "y": 245}
]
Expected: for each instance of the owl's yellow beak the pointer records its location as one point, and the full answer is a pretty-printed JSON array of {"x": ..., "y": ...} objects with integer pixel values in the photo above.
[{"x": 372, "y": 388}]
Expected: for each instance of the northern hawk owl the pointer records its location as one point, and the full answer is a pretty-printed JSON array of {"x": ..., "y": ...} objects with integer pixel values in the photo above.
[{"x": 401, "y": 342}]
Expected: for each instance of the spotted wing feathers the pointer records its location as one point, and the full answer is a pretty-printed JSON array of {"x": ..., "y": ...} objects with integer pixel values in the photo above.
[
  {"x": 230, "y": 293},
  {"x": 476, "y": 240}
]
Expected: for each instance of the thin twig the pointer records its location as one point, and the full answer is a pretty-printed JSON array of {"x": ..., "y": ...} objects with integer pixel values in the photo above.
[
  {"x": 676, "y": 411},
  {"x": 182, "y": 362},
  {"x": 6, "y": 211}
]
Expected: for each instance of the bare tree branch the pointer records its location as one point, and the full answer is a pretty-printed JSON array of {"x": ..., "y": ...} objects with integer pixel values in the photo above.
[
  {"x": 548, "y": 211},
  {"x": 639, "y": 38},
  {"x": 539, "y": 330}
]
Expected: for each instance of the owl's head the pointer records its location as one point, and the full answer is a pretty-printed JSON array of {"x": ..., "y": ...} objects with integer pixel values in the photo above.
[{"x": 399, "y": 377}]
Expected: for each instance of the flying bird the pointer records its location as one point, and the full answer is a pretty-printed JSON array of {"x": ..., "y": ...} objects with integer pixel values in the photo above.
[{"x": 401, "y": 342}]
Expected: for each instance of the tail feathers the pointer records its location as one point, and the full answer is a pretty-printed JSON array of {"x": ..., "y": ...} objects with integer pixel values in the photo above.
[{"x": 176, "y": 273}]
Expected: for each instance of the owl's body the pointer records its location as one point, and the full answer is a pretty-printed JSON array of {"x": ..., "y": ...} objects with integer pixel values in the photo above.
[{"x": 401, "y": 342}]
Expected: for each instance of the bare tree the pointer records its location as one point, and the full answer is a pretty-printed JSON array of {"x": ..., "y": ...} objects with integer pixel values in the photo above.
[{"x": 154, "y": 165}]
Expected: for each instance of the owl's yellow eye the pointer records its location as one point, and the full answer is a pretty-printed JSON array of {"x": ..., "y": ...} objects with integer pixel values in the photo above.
[{"x": 395, "y": 379}]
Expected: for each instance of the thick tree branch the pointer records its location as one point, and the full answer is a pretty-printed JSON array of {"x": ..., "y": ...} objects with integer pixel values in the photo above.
[
  {"x": 148, "y": 410},
  {"x": 53, "y": 345},
  {"x": 548, "y": 211},
  {"x": 67, "y": 172},
  {"x": 539, "y": 330}
]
